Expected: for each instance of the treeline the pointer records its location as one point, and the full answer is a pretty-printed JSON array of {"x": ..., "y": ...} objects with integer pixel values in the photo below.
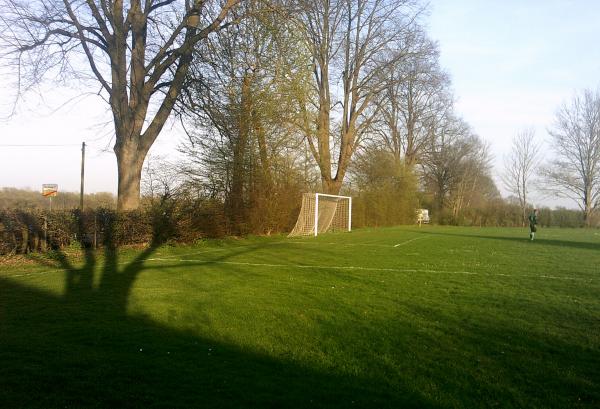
[
  {"x": 337, "y": 97},
  {"x": 274, "y": 109},
  {"x": 184, "y": 219},
  {"x": 384, "y": 193},
  {"x": 26, "y": 199},
  {"x": 293, "y": 96},
  {"x": 187, "y": 220}
]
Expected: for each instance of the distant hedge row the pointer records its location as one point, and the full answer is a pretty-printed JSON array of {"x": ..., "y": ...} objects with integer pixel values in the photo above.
[
  {"x": 186, "y": 220},
  {"x": 24, "y": 231}
]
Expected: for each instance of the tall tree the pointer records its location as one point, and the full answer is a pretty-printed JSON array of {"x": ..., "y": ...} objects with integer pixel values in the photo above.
[
  {"x": 519, "y": 167},
  {"x": 239, "y": 109},
  {"x": 416, "y": 94},
  {"x": 456, "y": 166},
  {"x": 575, "y": 173},
  {"x": 474, "y": 185},
  {"x": 350, "y": 43},
  {"x": 139, "y": 52}
]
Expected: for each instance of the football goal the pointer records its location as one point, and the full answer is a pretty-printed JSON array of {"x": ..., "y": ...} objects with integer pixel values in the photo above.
[{"x": 321, "y": 213}]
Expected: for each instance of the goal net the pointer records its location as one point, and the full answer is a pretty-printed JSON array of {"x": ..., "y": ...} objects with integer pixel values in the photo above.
[{"x": 321, "y": 213}]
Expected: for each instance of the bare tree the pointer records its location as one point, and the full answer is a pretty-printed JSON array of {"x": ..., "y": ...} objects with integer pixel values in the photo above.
[
  {"x": 161, "y": 179},
  {"x": 575, "y": 173},
  {"x": 350, "y": 44},
  {"x": 455, "y": 168},
  {"x": 519, "y": 167},
  {"x": 416, "y": 94},
  {"x": 139, "y": 52}
]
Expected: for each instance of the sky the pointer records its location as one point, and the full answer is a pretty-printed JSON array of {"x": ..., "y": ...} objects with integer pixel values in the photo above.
[{"x": 512, "y": 64}]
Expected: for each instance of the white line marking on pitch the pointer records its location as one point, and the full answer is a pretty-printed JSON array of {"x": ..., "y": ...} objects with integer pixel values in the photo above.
[
  {"x": 397, "y": 270},
  {"x": 242, "y": 263},
  {"x": 409, "y": 241},
  {"x": 209, "y": 250},
  {"x": 321, "y": 243}
]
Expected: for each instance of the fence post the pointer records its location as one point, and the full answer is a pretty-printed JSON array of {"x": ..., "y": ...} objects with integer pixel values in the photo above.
[{"x": 45, "y": 241}]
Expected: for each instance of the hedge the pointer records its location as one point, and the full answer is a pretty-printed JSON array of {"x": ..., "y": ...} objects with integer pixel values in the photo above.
[{"x": 24, "y": 231}]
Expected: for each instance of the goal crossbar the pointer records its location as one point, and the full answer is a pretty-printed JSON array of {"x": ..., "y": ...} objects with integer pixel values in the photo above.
[{"x": 321, "y": 212}]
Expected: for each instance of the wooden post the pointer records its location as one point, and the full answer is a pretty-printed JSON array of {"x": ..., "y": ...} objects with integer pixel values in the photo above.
[
  {"x": 82, "y": 175},
  {"x": 45, "y": 242}
]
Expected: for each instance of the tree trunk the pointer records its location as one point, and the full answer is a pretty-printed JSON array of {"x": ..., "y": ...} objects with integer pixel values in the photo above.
[
  {"x": 587, "y": 216},
  {"x": 588, "y": 205},
  {"x": 266, "y": 177},
  {"x": 332, "y": 186},
  {"x": 129, "y": 163},
  {"x": 236, "y": 197}
]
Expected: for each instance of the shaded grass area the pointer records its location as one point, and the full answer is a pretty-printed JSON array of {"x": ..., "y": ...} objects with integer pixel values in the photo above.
[{"x": 401, "y": 317}]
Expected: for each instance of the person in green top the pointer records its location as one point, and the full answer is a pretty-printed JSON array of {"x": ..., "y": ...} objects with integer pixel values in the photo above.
[{"x": 533, "y": 223}]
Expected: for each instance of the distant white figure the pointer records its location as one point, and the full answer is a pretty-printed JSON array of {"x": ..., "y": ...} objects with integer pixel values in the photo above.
[{"x": 422, "y": 216}]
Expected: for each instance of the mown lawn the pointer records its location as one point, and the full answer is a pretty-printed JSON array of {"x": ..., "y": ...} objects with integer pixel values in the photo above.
[{"x": 431, "y": 317}]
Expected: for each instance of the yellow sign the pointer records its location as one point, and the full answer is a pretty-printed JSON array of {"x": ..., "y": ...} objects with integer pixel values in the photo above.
[{"x": 49, "y": 190}]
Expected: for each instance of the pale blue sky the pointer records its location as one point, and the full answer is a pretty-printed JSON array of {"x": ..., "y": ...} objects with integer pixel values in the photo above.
[{"x": 511, "y": 62}]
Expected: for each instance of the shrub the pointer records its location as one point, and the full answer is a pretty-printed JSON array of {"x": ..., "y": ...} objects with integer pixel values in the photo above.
[{"x": 25, "y": 231}]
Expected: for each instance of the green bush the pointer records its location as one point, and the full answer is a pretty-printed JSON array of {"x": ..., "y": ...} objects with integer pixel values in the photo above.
[{"x": 25, "y": 231}]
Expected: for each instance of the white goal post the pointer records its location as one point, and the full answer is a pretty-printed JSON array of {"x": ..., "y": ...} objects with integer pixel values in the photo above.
[{"x": 321, "y": 213}]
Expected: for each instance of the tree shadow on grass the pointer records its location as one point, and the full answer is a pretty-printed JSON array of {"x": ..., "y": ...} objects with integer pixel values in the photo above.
[
  {"x": 524, "y": 239},
  {"x": 82, "y": 350},
  {"x": 59, "y": 353}
]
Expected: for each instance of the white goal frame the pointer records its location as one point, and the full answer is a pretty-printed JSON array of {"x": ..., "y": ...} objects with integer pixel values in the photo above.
[{"x": 303, "y": 224}]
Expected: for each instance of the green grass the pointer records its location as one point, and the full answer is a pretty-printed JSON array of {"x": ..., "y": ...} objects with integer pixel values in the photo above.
[{"x": 435, "y": 317}]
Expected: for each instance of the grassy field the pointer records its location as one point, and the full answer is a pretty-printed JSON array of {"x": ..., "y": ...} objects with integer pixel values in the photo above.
[{"x": 431, "y": 317}]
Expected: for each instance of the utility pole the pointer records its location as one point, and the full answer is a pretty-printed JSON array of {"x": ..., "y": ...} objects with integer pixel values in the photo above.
[{"x": 82, "y": 174}]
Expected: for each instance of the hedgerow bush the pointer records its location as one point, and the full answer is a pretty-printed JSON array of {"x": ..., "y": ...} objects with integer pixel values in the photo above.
[{"x": 25, "y": 231}]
